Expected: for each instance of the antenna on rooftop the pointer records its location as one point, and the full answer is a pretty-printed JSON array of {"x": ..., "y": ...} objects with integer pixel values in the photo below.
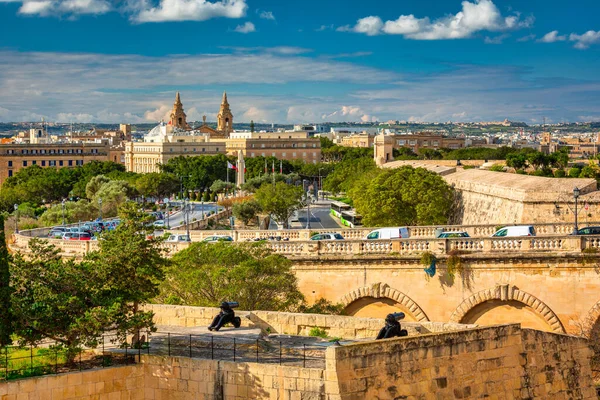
[{"x": 544, "y": 124}]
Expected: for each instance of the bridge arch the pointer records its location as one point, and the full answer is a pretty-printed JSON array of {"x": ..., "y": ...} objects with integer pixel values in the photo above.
[
  {"x": 508, "y": 294},
  {"x": 383, "y": 291}
]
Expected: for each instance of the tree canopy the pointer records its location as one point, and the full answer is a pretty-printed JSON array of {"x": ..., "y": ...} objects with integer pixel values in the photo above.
[
  {"x": 279, "y": 200},
  {"x": 205, "y": 274}
]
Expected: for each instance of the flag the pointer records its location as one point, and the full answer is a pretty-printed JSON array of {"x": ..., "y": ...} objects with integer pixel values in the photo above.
[
  {"x": 265, "y": 166},
  {"x": 231, "y": 166},
  {"x": 280, "y": 167}
]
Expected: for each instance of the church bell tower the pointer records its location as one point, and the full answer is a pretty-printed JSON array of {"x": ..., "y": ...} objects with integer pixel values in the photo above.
[
  {"x": 225, "y": 117},
  {"x": 178, "y": 117}
]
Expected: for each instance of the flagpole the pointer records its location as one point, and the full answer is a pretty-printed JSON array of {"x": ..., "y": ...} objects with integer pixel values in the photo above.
[{"x": 227, "y": 184}]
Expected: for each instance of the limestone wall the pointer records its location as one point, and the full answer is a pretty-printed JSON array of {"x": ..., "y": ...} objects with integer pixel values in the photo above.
[
  {"x": 495, "y": 362},
  {"x": 291, "y": 323},
  {"x": 189, "y": 378},
  {"x": 501, "y": 361},
  {"x": 126, "y": 382}
]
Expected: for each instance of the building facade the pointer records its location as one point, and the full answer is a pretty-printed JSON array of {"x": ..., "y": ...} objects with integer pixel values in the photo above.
[
  {"x": 427, "y": 141},
  {"x": 358, "y": 140}
]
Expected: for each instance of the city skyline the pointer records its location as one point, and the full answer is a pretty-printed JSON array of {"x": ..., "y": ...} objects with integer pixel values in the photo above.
[{"x": 103, "y": 61}]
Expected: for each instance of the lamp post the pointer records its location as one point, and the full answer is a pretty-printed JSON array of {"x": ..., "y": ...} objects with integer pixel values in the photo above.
[
  {"x": 63, "y": 211},
  {"x": 576, "y": 193},
  {"x": 202, "y": 203},
  {"x": 100, "y": 208},
  {"x": 307, "y": 198},
  {"x": 320, "y": 186},
  {"x": 168, "y": 215},
  {"x": 16, "y": 218},
  {"x": 186, "y": 217}
]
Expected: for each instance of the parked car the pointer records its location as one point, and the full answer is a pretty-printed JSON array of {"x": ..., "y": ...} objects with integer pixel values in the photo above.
[
  {"x": 590, "y": 230},
  {"x": 159, "y": 223},
  {"x": 453, "y": 234},
  {"x": 77, "y": 236},
  {"x": 327, "y": 236},
  {"x": 178, "y": 238},
  {"x": 515, "y": 231},
  {"x": 217, "y": 238},
  {"x": 388, "y": 233},
  {"x": 57, "y": 232}
]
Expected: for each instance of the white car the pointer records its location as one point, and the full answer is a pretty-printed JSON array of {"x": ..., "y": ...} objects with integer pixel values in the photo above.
[
  {"x": 327, "y": 236},
  {"x": 159, "y": 223},
  {"x": 217, "y": 238},
  {"x": 515, "y": 231},
  {"x": 178, "y": 239}
]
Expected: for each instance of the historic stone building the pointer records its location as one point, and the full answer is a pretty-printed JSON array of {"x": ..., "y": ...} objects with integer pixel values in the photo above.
[
  {"x": 225, "y": 117},
  {"x": 178, "y": 117}
]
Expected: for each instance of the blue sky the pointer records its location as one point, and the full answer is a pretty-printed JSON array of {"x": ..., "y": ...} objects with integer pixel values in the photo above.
[{"x": 309, "y": 61}]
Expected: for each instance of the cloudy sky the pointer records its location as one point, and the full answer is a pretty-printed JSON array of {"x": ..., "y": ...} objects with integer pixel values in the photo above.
[{"x": 300, "y": 61}]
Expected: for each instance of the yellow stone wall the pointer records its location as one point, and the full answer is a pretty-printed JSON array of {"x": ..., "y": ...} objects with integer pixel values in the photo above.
[
  {"x": 503, "y": 362},
  {"x": 495, "y": 362},
  {"x": 126, "y": 382}
]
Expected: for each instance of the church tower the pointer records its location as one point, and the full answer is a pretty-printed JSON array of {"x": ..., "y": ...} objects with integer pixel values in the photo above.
[
  {"x": 178, "y": 117},
  {"x": 225, "y": 117}
]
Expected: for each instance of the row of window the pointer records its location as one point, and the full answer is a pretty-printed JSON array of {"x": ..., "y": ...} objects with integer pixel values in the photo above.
[
  {"x": 314, "y": 154},
  {"x": 51, "y": 151},
  {"x": 50, "y": 163},
  {"x": 194, "y": 149},
  {"x": 283, "y": 145}
]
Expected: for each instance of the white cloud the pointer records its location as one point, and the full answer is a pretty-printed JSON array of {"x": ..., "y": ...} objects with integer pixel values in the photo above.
[
  {"x": 257, "y": 114},
  {"x": 552, "y": 37},
  {"x": 73, "y": 8},
  {"x": 526, "y": 38},
  {"x": 368, "y": 25},
  {"x": 324, "y": 28},
  {"x": 482, "y": 15},
  {"x": 246, "y": 28},
  {"x": 586, "y": 40},
  {"x": 189, "y": 10},
  {"x": 496, "y": 39},
  {"x": 267, "y": 15}
]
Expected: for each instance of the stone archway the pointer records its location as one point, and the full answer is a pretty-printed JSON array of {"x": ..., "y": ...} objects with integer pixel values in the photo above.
[
  {"x": 508, "y": 293},
  {"x": 383, "y": 291}
]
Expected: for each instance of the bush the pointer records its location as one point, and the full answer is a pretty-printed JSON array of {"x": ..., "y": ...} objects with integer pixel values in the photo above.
[
  {"x": 574, "y": 172},
  {"x": 560, "y": 173},
  {"x": 497, "y": 168},
  {"x": 322, "y": 306},
  {"x": 318, "y": 332},
  {"x": 427, "y": 258}
]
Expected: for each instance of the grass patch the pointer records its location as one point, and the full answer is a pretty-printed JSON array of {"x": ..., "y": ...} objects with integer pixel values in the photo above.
[{"x": 20, "y": 362}]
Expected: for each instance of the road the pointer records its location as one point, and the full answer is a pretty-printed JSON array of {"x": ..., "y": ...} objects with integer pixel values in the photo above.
[
  {"x": 319, "y": 218},
  {"x": 196, "y": 212}
]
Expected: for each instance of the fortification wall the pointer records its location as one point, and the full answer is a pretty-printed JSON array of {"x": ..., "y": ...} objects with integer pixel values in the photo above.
[
  {"x": 500, "y": 361},
  {"x": 291, "y": 323},
  {"x": 126, "y": 382}
]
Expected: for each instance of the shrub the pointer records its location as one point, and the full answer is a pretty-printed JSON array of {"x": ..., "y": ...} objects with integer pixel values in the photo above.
[
  {"x": 427, "y": 258},
  {"x": 574, "y": 172},
  {"x": 317, "y": 332},
  {"x": 560, "y": 173},
  {"x": 497, "y": 168}
]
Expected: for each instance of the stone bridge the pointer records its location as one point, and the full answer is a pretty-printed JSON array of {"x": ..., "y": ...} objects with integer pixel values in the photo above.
[{"x": 549, "y": 282}]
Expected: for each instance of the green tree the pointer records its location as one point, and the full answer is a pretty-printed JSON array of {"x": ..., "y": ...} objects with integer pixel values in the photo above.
[
  {"x": 206, "y": 274},
  {"x": 113, "y": 195},
  {"x": 516, "y": 160},
  {"x": 220, "y": 186},
  {"x": 6, "y": 319},
  {"x": 574, "y": 172},
  {"x": 279, "y": 200},
  {"x": 57, "y": 299},
  {"x": 246, "y": 211},
  {"x": 403, "y": 196},
  {"x": 94, "y": 185},
  {"x": 130, "y": 264},
  {"x": 345, "y": 174},
  {"x": 589, "y": 171},
  {"x": 157, "y": 185}
]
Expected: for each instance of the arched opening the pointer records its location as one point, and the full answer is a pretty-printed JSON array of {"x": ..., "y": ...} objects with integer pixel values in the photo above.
[
  {"x": 495, "y": 312},
  {"x": 180, "y": 121},
  {"x": 371, "y": 307}
]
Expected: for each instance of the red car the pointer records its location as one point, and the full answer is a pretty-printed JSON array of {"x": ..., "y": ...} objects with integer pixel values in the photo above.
[{"x": 77, "y": 236}]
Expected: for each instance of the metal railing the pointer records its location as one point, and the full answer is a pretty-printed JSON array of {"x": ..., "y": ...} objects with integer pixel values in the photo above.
[{"x": 49, "y": 357}]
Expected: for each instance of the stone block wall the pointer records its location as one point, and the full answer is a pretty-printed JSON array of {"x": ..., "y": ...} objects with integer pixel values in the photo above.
[
  {"x": 126, "y": 382},
  {"x": 292, "y": 323},
  {"x": 187, "y": 378},
  {"x": 501, "y": 361}
]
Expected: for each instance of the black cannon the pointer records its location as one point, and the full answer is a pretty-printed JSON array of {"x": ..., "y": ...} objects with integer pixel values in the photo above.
[
  {"x": 226, "y": 316},
  {"x": 392, "y": 327}
]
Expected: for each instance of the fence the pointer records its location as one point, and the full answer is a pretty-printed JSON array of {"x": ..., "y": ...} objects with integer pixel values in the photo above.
[{"x": 49, "y": 357}]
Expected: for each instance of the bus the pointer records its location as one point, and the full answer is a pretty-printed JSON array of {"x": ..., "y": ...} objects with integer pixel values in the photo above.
[
  {"x": 351, "y": 219},
  {"x": 337, "y": 207}
]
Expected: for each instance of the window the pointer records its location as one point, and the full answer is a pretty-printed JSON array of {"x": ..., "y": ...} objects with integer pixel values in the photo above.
[
  {"x": 52, "y": 163},
  {"x": 194, "y": 149},
  {"x": 33, "y": 162},
  {"x": 10, "y": 172},
  {"x": 294, "y": 154},
  {"x": 24, "y": 163},
  {"x": 10, "y": 163},
  {"x": 272, "y": 154},
  {"x": 251, "y": 154},
  {"x": 217, "y": 150},
  {"x": 60, "y": 163},
  {"x": 262, "y": 145},
  {"x": 43, "y": 163},
  {"x": 293, "y": 144},
  {"x": 70, "y": 163},
  {"x": 314, "y": 145},
  {"x": 203, "y": 149},
  {"x": 283, "y": 154},
  {"x": 314, "y": 153},
  {"x": 435, "y": 143},
  {"x": 500, "y": 233},
  {"x": 171, "y": 149},
  {"x": 401, "y": 142}
]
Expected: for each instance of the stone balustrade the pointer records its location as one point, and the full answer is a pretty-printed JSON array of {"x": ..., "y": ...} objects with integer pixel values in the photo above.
[{"x": 412, "y": 246}]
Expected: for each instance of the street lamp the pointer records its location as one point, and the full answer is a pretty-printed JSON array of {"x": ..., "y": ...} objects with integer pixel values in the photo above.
[
  {"x": 100, "y": 208},
  {"x": 576, "y": 193},
  {"x": 320, "y": 186},
  {"x": 168, "y": 215},
  {"x": 63, "y": 211},
  {"x": 307, "y": 198},
  {"x": 16, "y": 218},
  {"x": 186, "y": 217},
  {"x": 202, "y": 203}
]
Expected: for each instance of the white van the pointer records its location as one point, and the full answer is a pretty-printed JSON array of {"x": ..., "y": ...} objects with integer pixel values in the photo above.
[
  {"x": 514, "y": 231},
  {"x": 388, "y": 233}
]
